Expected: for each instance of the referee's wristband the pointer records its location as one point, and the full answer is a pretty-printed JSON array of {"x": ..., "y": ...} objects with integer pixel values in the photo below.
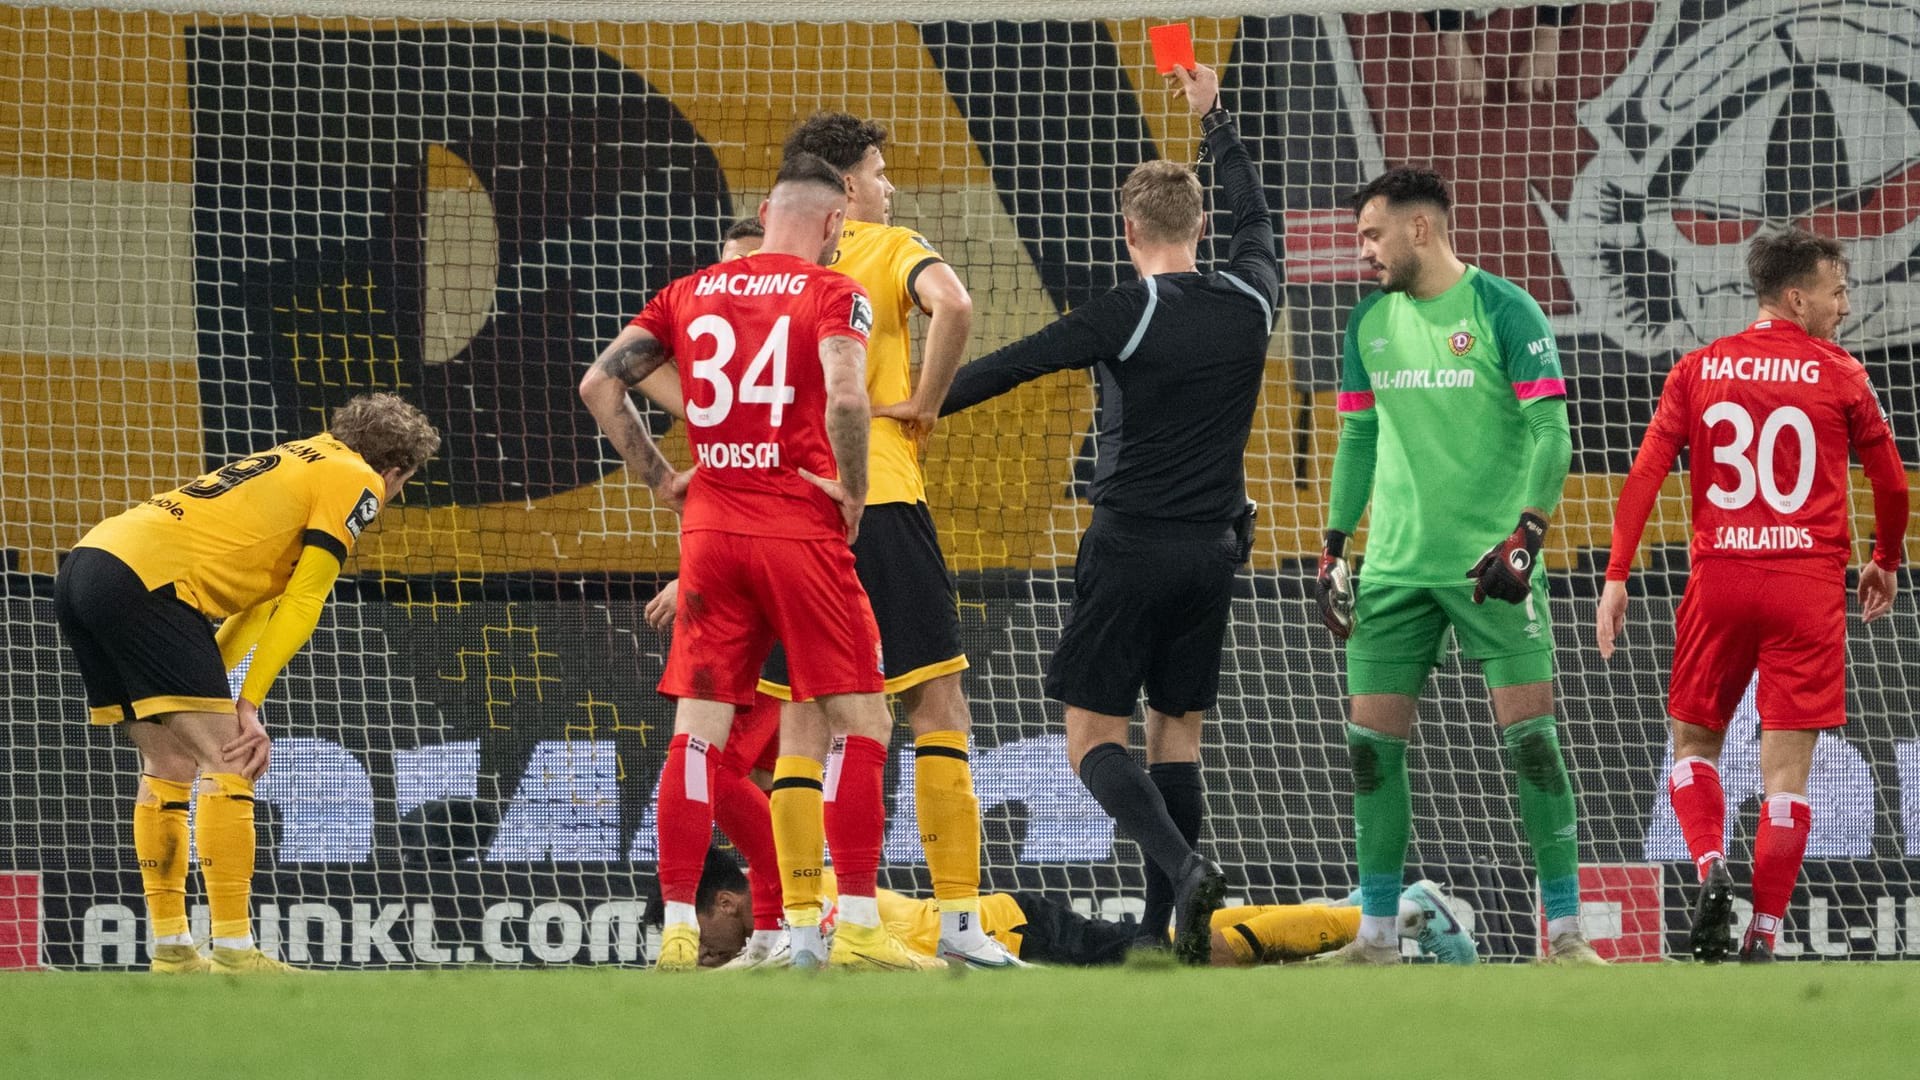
[{"x": 1215, "y": 118}]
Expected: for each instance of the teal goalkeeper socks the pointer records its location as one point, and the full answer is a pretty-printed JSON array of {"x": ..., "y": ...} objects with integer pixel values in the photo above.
[
  {"x": 1382, "y": 816},
  {"x": 1547, "y": 811}
]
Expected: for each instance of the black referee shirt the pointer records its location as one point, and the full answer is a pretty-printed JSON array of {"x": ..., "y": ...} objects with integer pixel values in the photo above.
[{"x": 1180, "y": 358}]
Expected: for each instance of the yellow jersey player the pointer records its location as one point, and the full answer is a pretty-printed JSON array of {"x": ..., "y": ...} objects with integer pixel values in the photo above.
[
  {"x": 897, "y": 556},
  {"x": 1040, "y": 929},
  {"x": 898, "y": 559},
  {"x": 257, "y": 543}
]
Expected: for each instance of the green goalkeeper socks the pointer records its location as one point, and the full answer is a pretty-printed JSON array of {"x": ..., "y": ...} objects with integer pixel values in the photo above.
[
  {"x": 1382, "y": 816},
  {"x": 1547, "y": 812}
]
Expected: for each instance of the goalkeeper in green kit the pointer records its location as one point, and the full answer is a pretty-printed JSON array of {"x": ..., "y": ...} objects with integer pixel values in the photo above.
[{"x": 1454, "y": 425}]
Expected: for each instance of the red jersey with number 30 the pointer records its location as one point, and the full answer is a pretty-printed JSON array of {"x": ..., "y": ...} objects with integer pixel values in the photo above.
[
  {"x": 746, "y": 335},
  {"x": 1770, "y": 415}
]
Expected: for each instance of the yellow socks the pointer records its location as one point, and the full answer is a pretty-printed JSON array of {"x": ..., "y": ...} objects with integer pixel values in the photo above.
[
  {"x": 223, "y": 834},
  {"x": 1285, "y": 931},
  {"x": 949, "y": 818},
  {"x": 160, "y": 846},
  {"x": 799, "y": 835}
]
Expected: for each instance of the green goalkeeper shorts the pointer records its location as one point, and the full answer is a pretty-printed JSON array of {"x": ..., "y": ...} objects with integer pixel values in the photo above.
[{"x": 1400, "y": 633}]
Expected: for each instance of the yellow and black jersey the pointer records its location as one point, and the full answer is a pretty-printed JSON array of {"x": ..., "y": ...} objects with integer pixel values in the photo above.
[
  {"x": 887, "y": 260},
  {"x": 231, "y": 539}
]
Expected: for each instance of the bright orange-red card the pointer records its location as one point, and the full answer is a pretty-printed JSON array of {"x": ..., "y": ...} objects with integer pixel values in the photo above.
[{"x": 1172, "y": 47}]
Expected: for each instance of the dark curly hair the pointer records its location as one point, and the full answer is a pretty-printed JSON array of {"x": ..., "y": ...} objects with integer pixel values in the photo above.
[
  {"x": 1402, "y": 185},
  {"x": 841, "y": 138}
]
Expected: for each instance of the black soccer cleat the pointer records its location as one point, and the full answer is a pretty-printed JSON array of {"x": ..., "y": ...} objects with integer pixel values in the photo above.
[
  {"x": 1711, "y": 938},
  {"x": 1199, "y": 890},
  {"x": 1756, "y": 952}
]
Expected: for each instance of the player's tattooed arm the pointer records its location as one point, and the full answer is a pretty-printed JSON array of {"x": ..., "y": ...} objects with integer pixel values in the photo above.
[
  {"x": 631, "y": 357},
  {"x": 844, "y": 361}
]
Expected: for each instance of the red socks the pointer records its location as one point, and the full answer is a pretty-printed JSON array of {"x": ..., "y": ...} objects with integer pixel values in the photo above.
[
  {"x": 685, "y": 817},
  {"x": 1778, "y": 848},
  {"x": 741, "y": 811},
  {"x": 856, "y": 814},
  {"x": 1701, "y": 807}
]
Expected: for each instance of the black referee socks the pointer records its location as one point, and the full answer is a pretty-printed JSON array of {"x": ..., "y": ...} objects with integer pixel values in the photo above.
[{"x": 1122, "y": 789}]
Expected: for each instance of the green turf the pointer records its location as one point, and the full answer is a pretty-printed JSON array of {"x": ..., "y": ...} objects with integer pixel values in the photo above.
[{"x": 1792, "y": 1020}]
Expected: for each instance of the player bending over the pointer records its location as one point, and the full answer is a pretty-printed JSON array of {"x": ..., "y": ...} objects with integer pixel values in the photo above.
[
  {"x": 256, "y": 543},
  {"x": 1770, "y": 414},
  {"x": 1039, "y": 929}
]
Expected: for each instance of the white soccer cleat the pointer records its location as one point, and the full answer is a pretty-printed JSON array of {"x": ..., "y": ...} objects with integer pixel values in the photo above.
[
  {"x": 985, "y": 953},
  {"x": 1360, "y": 953},
  {"x": 1572, "y": 949},
  {"x": 777, "y": 955}
]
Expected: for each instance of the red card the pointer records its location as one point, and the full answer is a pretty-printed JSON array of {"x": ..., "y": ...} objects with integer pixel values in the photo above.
[{"x": 1172, "y": 47}]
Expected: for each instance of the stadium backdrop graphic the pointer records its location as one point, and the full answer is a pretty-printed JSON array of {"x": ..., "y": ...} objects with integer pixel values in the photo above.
[{"x": 463, "y": 213}]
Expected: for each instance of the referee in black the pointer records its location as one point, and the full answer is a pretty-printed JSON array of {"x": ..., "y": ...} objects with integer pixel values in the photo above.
[{"x": 1180, "y": 356}]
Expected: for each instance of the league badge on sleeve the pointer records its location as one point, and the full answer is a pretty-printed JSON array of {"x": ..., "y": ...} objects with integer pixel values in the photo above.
[
  {"x": 363, "y": 513},
  {"x": 861, "y": 318}
]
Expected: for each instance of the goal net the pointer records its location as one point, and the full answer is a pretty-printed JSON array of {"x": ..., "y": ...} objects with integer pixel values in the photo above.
[{"x": 218, "y": 222}]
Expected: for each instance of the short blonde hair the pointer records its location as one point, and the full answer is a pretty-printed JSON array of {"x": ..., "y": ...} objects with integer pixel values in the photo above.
[
  {"x": 385, "y": 430},
  {"x": 1162, "y": 199}
]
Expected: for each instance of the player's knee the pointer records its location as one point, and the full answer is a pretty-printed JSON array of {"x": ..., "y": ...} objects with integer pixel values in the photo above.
[{"x": 937, "y": 705}]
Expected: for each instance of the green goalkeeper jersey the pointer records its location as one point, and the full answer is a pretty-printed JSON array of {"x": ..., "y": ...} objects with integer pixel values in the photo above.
[{"x": 1449, "y": 380}]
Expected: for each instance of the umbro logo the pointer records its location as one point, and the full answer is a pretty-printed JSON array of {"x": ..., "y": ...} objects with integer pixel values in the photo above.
[{"x": 1378, "y": 344}]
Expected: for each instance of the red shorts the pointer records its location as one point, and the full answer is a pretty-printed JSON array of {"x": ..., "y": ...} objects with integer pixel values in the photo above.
[
  {"x": 754, "y": 741},
  {"x": 739, "y": 594},
  {"x": 1736, "y": 617}
]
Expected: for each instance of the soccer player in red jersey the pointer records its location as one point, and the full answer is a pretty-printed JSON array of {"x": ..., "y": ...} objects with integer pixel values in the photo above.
[
  {"x": 1770, "y": 414},
  {"x": 767, "y": 514}
]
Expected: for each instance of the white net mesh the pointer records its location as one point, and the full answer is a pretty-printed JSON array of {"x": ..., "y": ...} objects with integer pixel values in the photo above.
[{"x": 216, "y": 225}]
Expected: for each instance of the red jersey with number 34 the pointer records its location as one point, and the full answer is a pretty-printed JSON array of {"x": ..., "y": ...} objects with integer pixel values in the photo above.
[
  {"x": 746, "y": 335},
  {"x": 1770, "y": 415}
]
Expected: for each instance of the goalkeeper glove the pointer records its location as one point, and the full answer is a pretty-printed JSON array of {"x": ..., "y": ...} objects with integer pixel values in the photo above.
[
  {"x": 1334, "y": 586},
  {"x": 1505, "y": 572}
]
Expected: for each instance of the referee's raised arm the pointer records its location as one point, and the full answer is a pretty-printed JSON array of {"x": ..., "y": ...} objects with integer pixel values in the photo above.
[{"x": 1250, "y": 257}]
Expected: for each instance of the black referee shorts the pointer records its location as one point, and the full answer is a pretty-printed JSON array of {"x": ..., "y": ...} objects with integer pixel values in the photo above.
[
  {"x": 1056, "y": 934},
  {"x": 1150, "y": 605},
  {"x": 142, "y": 652},
  {"x": 899, "y": 563}
]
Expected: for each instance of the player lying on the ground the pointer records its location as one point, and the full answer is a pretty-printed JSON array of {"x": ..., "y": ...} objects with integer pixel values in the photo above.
[
  {"x": 257, "y": 543},
  {"x": 1039, "y": 929}
]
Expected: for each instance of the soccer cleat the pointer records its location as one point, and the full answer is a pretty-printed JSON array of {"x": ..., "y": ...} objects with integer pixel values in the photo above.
[
  {"x": 1199, "y": 890},
  {"x": 1756, "y": 952},
  {"x": 178, "y": 960},
  {"x": 778, "y": 955},
  {"x": 679, "y": 949},
  {"x": 1711, "y": 938},
  {"x": 1572, "y": 949},
  {"x": 1360, "y": 953},
  {"x": 872, "y": 948},
  {"x": 1441, "y": 934},
  {"x": 247, "y": 962},
  {"x": 807, "y": 948},
  {"x": 988, "y": 953}
]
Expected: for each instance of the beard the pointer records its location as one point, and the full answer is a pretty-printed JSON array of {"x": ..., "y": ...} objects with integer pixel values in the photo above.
[{"x": 1401, "y": 275}]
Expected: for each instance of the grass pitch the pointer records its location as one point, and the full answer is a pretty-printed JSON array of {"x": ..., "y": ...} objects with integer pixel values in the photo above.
[{"x": 1852, "y": 1021}]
